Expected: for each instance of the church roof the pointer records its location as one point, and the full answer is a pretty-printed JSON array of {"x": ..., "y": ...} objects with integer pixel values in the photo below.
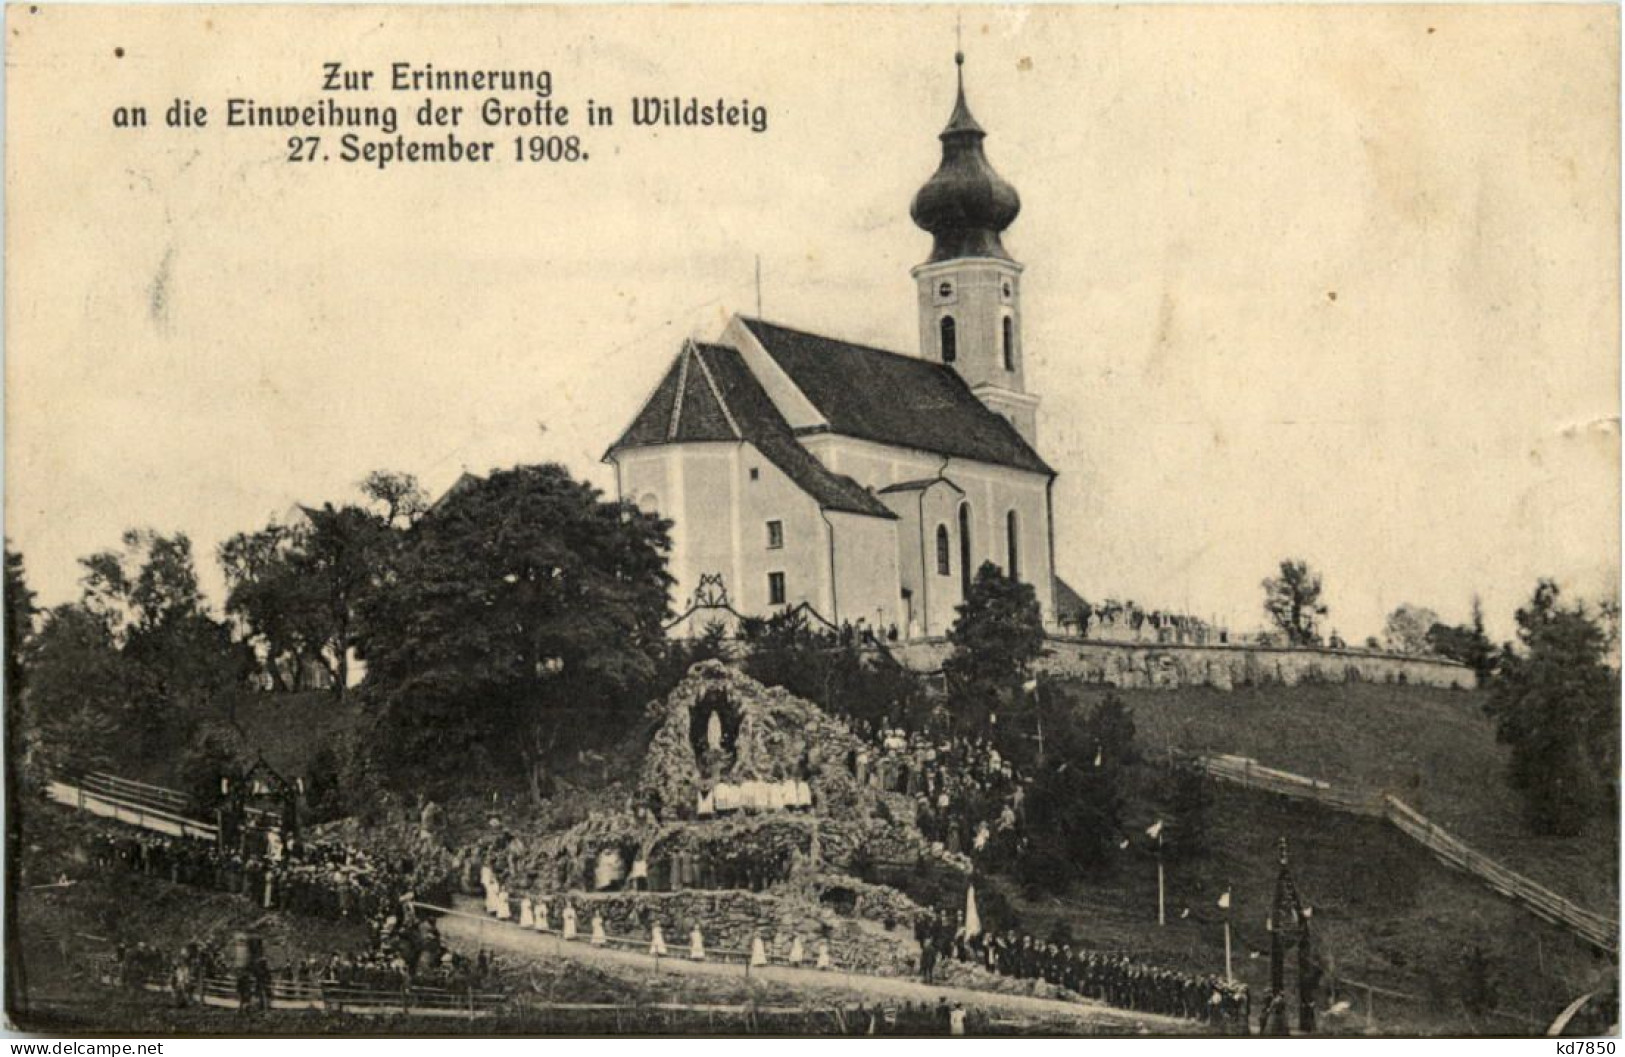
[
  {"x": 709, "y": 394},
  {"x": 1068, "y": 603},
  {"x": 894, "y": 399}
]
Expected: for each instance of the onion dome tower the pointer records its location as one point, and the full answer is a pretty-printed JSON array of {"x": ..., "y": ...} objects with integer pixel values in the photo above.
[{"x": 970, "y": 288}]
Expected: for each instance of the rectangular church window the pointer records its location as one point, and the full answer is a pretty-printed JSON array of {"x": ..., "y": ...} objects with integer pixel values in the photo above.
[
  {"x": 775, "y": 589},
  {"x": 775, "y": 535}
]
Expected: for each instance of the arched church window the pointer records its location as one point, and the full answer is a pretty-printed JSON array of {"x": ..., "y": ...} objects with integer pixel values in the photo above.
[
  {"x": 1009, "y": 344},
  {"x": 950, "y": 339},
  {"x": 1012, "y": 532},
  {"x": 943, "y": 560},
  {"x": 964, "y": 550}
]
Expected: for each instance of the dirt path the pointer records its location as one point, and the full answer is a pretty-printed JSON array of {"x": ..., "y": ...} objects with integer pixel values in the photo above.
[{"x": 471, "y": 930}]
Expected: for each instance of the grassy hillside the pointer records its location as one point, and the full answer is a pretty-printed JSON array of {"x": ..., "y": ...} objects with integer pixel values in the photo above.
[
  {"x": 1384, "y": 913},
  {"x": 1435, "y": 749}
]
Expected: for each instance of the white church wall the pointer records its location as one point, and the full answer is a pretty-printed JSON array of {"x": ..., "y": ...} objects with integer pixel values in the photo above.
[
  {"x": 992, "y": 492},
  {"x": 720, "y": 516},
  {"x": 803, "y": 556},
  {"x": 867, "y": 585}
]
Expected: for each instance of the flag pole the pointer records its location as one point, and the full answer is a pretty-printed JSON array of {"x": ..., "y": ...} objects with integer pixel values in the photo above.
[{"x": 1162, "y": 907}]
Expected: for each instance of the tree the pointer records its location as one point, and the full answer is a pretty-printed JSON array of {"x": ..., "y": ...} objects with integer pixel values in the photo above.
[
  {"x": 20, "y": 611},
  {"x": 523, "y": 612},
  {"x": 1556, "y": 704},
  {"x": 297, "y": 589},
  {"x": 1293, "y": 602},
  {"x": 1184, "y": 793},
  {"x": 79, "y": 691},
  {"x": 341, "y": 558},
  {"x": 997, "y": 637},
  {"x": 1075, "y": 807},
  {"x": 175, "y": 659},
  {"x": 1406, "y": 630},
  {"x": 271, "y": 602},
  {"x": 19, "y": 618},
  {"x": 398, "y": 495},
  {"x": 1466, "y": 644}
]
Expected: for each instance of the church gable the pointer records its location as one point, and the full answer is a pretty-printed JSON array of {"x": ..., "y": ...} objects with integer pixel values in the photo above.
[{"x": 710, "y": 394}]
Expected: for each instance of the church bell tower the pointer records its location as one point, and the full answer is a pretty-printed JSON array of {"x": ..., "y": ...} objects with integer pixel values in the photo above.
[{"x": 970, "y": 289}]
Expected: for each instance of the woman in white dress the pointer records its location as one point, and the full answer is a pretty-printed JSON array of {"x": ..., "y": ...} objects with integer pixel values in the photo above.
[
  {"x": 598, "y": 937},
  {"x": 657, "y": 941},
  {"x": 797, "y": 955},
  {"x": 504, "y": 904},
  {"x": 540, "y": 924},
  {"x": 527, "y": 913},
  {"x": 823, "y": 954},
  {"x": 569, "y": 921},
  {"x": 696, "y": 945},
  {"x": 758, "y": 952}
]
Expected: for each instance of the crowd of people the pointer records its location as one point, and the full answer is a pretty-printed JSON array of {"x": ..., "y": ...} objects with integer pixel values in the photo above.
[
  {"x": 967, "y": 796},
  {"x": 1114, "y": 979},
  {"x": 324, "y": 880},
  {"x": 320, "y": 880}
]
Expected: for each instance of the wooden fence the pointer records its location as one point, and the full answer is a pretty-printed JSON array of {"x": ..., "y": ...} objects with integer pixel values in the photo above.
[
  {"x": 221, "y": 991},
  {"x": 128, "y": 802},
  {"x": 1599, "y": 931}
]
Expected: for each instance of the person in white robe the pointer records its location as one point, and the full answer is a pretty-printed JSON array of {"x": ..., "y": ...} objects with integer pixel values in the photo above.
[
  {"x": 758, "y": 952},
  {"x": 696, "y": 945},
  {"x": 823, "y": 954},
  {"x": 504, "y": 904},
  {"x": 797, "y": 955},
  {"x": 488, "y": 881},
  {"x": 527, "y": 913},
  {"x": 598, "y": 937},
  {"x": 657, "y": 941},
  {"x": 713, "y": 732},
  {"x": 569, "y": 921},
  {"x": 541, "y": 924}
]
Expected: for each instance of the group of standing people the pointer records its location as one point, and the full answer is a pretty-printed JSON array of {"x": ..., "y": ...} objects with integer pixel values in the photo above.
[
  {"x": 968, "y": 797},
  {"x": 1111, "y": 978},
  {"x": 535, "y": 913}
]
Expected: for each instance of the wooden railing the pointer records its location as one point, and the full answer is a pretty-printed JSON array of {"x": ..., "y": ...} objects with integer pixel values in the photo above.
[
  {"x": 1600, "y": 931},
  {"x": 222, "y": 991},
  {"x": 123, "y": 802}
]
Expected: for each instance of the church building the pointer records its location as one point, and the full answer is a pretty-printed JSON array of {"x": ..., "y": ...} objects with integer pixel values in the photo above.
[{"x": 866, "y": 485}]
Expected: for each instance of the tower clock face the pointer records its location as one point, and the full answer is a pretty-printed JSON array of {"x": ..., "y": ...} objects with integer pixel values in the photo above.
[
  {"x": 1008, "y": 291},
  {"x": 944, "y": 292}
]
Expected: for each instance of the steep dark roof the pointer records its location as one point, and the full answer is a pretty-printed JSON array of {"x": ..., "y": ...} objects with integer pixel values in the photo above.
[
  {"x": 710, "y": 394},
  {"x": 894, "y": 399},
  {"x": 1068, "y": 603}
]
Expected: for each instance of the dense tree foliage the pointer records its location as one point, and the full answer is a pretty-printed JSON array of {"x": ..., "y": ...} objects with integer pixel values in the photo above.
[
  {"x": 1467, "y": 644},
  {"x": 998, "y": 635},
  {"x": 1293, "y": 602},
  {"x": 842, "y": 678},
  {"x": 1556, "y": 704},
  {"x": 1406, "y": 629},
  {"x": 296, "y": 589},
  {"x": 132, "y": 666},
  {"x": 1075, "y": 807},
  {"x": 523, "y": 608},
  {"x": 20, "y": 612}
]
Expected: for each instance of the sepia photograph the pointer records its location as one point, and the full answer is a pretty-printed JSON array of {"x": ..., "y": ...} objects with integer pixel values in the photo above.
[{"x": 812, "y": 520}]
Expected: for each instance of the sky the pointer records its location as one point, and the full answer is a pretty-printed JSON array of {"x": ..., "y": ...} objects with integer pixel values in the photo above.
[{"x": 1338, "y": 283}]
